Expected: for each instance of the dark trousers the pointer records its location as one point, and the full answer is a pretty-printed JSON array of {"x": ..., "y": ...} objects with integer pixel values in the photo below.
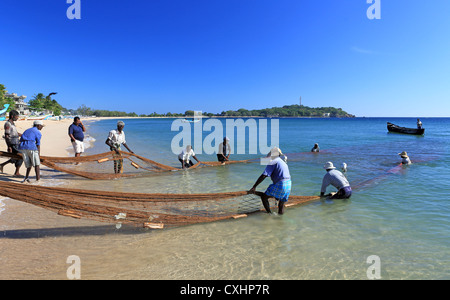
[
  {"x": 17, "y": 162},
  {"x": 187, "y": 164}
]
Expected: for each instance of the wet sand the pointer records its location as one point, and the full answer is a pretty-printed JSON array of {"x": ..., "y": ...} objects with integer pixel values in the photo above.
[{"x": 34, "y": 242}]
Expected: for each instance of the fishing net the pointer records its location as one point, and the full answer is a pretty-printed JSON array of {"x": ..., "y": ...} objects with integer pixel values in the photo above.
[
  {"x": 145, "y": 210},
  {"x": 111, "y": 165}
]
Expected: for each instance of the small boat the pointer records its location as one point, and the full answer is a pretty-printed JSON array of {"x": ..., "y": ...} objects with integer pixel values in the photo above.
[
  {"x": 34, "y": 118},
  {"x": 191, "y": 120},
  {"x": 395, "y": 128},
  {"x": 6, "y": 106},
  {"x": 2, "y": 111}
]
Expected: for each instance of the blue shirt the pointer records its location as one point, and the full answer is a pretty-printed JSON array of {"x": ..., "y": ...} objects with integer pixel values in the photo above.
[
  {"x": 277, "y": 170},
  {"x": 77, "y": 132},
  {"x": 30, "y": 139}
]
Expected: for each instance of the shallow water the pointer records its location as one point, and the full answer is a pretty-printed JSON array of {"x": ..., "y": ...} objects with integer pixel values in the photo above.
[{"x": 400, "y": 214}]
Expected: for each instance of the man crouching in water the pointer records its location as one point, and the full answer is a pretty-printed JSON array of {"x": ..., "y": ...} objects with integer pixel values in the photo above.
[
  {"x": 278, "y": 171},
  {"x": 337, "y": 179}
]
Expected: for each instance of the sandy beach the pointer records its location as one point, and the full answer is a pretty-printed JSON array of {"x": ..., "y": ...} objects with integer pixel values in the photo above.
[
  {"x": 55, "y": 141},
  {"x": 24, "y": 255}
]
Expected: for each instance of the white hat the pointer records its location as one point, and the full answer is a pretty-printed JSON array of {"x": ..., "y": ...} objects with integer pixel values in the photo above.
[
  {"x": 329, "y": 165},
  {"x": 38, "y": 122},
  {"x": 403, "y": 154},
  {"x": 120, "y": 123},
  {"x": 275, "y": 152}
]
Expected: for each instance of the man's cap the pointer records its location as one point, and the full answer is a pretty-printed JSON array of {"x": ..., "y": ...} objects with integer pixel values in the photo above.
[{"x": 38, "y": 122}]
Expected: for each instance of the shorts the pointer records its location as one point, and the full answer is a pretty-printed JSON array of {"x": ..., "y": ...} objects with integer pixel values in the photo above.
[
  {"x": 280, "y": 190},
  {"x": 78, "y": 146},
  {"x": 31, "y": 158},
  {"x": 343, "y": 193}
]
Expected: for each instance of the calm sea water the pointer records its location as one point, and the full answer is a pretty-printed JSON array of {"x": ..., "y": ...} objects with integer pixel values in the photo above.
[{"x": 399, "y": 214}]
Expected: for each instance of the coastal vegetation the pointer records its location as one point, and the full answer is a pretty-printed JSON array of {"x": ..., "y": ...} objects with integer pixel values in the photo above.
[
  {"x": 4, "y": 99},
  {"x": 45, "y": 103},
  {"x": 285, "y": 111},
  {"x": 40, "y": 103}
]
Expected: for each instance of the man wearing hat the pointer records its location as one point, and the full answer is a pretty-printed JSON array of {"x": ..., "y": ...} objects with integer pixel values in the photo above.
[
  {"x": 115, "y": 139},
  {"x": 336, "y": 179},
  {"x": 30, "y": 147},
  {"x": 224, "y": 150},
  {"x": 280, "y": 189},
  {"x": 405, "y": 158}
]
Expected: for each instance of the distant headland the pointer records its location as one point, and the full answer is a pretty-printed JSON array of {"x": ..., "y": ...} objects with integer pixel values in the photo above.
[
  {"x": 274, "y": 112},
  {"x": 40, "y": 104}
]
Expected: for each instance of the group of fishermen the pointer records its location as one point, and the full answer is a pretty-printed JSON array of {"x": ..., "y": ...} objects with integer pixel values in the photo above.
[
  {"x": 28, "y": 144},
  {"x": 278, "y": 170}
]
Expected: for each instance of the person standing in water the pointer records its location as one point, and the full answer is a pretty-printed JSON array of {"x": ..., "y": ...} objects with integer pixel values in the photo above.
[
  {"x": 405, "y": 158},
  {"x": 115, "y": 139},
  {"x": 185, "y": 157},
  {"x": 224, "y": 150},
  {"x": 280, "y": 189}
]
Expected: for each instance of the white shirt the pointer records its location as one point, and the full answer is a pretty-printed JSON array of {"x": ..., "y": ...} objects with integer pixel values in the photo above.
[
  {"x": 406, "y": 161},
  {"x": 117, "y": 138},
  {"x": 221, "y": 149},
  {"x": 186, "y": 156}
]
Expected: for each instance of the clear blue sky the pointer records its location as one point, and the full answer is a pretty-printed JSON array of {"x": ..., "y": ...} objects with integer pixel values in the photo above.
[{"x": 164, "y": 56}]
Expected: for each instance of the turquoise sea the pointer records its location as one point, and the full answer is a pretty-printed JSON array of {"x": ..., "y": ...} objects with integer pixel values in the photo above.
[{"x": 399, "y": 214}]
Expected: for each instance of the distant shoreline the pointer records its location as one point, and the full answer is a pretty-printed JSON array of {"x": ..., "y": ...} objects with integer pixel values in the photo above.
[
  {"x": 220, "y": 117},
  {"x": 253, "y": 117}
]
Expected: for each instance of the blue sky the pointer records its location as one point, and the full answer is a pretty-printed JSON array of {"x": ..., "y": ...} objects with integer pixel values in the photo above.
[{"x": 164, "y": 56}]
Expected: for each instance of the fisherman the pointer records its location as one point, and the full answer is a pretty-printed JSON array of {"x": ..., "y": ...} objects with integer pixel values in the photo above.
[
  {"x": 30, "y": 147},
  {"x": 336, "y": 179},
  {"x": 12, "y": 142},
  {"x": 315, "y": 148},
  {"x": 185, "y": 157},
  {"x": 419, "y": 124},
  {"x": 224, "y": 150},
  {"x": 405, "y": 158},
  {"x": 280, "y": 189},
  {"x": 76, "y": 134},
  {"x": 115, "y": 139}
]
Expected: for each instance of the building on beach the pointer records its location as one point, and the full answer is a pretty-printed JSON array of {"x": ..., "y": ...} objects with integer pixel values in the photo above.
[{"x": 20, "y": 104}]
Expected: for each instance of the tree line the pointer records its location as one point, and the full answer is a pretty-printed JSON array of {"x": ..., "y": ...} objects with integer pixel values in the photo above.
[{"x": 40, "y": 102}]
